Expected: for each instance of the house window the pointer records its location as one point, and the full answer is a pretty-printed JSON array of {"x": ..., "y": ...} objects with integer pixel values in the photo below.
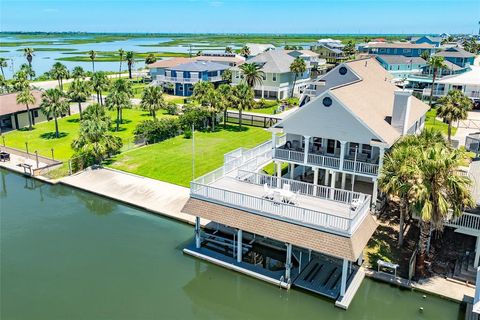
[
  {"x": 406, "y": 50},
  {"x": 353, "y": 147},
  {"x": 35, "y": 113},
  {"x": 264, "y": 76},
  {"x": 367, "y": 149},
  {"x": 274, "y": 77}
]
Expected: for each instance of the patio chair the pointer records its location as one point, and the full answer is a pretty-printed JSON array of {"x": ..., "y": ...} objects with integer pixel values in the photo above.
[
  {"x": 286, "y": 187},
  {"x": 268, "y": 192},
  {"x": 296, "y": 145}
]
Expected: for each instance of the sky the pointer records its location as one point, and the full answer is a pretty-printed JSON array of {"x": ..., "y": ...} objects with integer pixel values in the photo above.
[{"x": 242, "y": 16}]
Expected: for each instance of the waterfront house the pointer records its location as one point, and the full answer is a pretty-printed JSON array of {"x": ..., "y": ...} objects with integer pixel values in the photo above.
[
  {"x": 307, "y": 225},
  {"x": 434, "y": 41},
  {"x": 467, "y": 82},
  {"x": 181, "y": 75},
  {"x": 278, "y": 80},
  {"x": 229, "y": 59},
  {"x": 458, "y": 56},
  {"x": 15, "y": 116},
  {"x": 400, "y": 66},
  {"x": 331, "y": 51},
  {"x": 400, "y": 48}
]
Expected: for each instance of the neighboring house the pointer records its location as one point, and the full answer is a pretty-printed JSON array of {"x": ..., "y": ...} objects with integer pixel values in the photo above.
[
  {"x": 467, "y": 82},
  {"x": 434, "y": 41},
  {"x": 158, "y": 68},
  {"x": 15, "y": 116},
  {"x": 458, "y": 56},
  {"x": 257, "y": 48},
  {"x": 400, "y": 66},
  {"x": 307, "y": 226},
  {"x": 310, "y": 57},
  {"x": 184, "y": 76},
  {"x": 278, "y": 80},
  {"x": 332, "y": 52},
  {"x": 229, "y": 59},
  {"x": 400, "y": 48}
]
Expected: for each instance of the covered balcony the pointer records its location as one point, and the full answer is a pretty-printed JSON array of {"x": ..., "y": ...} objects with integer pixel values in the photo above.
[{"x": 350, "y": 157}]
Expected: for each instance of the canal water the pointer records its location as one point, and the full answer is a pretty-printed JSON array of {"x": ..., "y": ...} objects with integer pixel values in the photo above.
[{"x": 68, "y": 254}]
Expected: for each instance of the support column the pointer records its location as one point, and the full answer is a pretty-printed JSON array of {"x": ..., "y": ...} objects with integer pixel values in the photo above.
[
  {"x": 343, "y": 145},
  {"x": 332, "y": 185},
  {"x": 239, "y": 245},
  {"x": 360, "y": 259},
  {"x": 279, "y": 169},
  {"x": 288, "y": 263},
  {"x": 274, "y": 140},
  {"x": 343, "y": 285},
  {"x": 292, "y": 170},
  {"x": 315, "y": 180},
  {"x": 374, "y": 193},
  {"x": 326, "y": 177},
  {"x": 307, "y": 147},
  {"x": 197, "y": 232},
  {"x": 380, "y": 158},
  {"x": 344, "y": 179},
  {"x": 353, "y": 181},
  {"x": 477, "y": 253}
]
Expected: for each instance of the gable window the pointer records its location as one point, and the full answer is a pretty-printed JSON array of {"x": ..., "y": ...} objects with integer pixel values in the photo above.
[
  {"x": 274, "y": 77},
  {"x": 264, "y": 76}
]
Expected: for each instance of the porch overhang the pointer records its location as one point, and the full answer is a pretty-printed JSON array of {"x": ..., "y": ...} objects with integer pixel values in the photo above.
[{"x": 331, "y": 244}]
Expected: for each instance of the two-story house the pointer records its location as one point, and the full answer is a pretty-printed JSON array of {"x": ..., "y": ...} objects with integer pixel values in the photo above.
[
  {"x": 400, "y": 66},
  {"x": 181, "y": 74},
  {"x": 332, "y": 52},
  {"x": 307, "y": 225},
  {"x": 434, "y": 41},
  {"x": 400, "y": 48},
  {"x": 278, "y": 81}
]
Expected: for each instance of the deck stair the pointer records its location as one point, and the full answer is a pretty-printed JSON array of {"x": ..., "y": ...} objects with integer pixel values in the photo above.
[{"x": 320, "y": 276}]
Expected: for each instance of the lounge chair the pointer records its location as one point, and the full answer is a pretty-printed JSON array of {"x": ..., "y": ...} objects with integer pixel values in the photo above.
[{"x": 268, "y": 192}]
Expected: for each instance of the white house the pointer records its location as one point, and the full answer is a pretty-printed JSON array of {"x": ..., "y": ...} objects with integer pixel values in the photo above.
[
  {"x": 307, "y": 225},
  {"x": 467, "y": 82},
  {"x": 257, "y": 48}
]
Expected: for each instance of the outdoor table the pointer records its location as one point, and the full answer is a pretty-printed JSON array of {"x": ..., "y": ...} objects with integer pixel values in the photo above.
[{"x": 4, "y": 156}]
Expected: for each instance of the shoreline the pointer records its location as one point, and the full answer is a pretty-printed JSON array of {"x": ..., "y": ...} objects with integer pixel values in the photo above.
[{"x": 437, "y": 286}]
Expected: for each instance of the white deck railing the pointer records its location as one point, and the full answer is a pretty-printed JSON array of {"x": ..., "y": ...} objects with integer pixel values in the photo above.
[
  {"x": 466, "y": 220},
  {"x": 290, "y": 213},
  {"x": 303, "y": 188},
  {"x": 327, "y": 161}
]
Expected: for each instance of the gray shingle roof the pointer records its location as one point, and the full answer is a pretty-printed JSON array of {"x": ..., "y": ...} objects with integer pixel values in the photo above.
[
  {"x": 399, "y": 59},
  {"x": 200, "y": 66},
  {"x": 455, "y": 53},
  {"x": 273, "y": 61}
]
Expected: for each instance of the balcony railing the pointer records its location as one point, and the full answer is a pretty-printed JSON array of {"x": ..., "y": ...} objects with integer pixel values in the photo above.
[
  {"x": 187, "y": 80},
  {"x": 466, "y": 220},
  {"x": 329, "y": 162}
]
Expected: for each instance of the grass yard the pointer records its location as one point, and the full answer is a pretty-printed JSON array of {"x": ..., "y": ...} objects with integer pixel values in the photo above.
[
  {"x": 171, "y": 160},
  {"x": 432, "y": 122},
  {"x": 42, "y": 137}
]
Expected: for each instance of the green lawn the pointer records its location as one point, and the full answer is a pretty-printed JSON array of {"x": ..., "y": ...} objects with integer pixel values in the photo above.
[
  {"x": 432, "y": 122},
  {"x": 42, "y": 139},
  {"x": 171, "y": 160}
]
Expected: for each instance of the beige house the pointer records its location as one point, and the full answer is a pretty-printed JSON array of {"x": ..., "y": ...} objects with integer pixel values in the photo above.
[{"x": 15, "y": 116}]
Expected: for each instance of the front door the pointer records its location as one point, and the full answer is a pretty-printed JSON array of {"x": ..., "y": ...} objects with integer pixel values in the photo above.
[{"x": 331, "y": 146}]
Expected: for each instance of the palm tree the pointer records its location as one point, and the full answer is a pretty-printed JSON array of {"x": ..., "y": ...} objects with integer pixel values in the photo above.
[
  {"x": 20, "y": 81},
  {"x": 243, "y": 99},
  {"x": 4, "y": 85},
  {"x": 28, "y": 53},
  {"x": 119, "y": 98},
  {"x": 201, "y": 91},
  {"x": 100, "y": 83},
  {"x": 349, "y": 48},
  {"x": 152, "y": 100},
  {"x": 454, "y": 107},
  {"x": 121, "y": 54},
  {"x": 438, "y": 192},
  {"x": 252, "y": 73},
  {"x": 26, "y": 98},
  {"x": 54, "y": 105},
  {"x": 227, "y": 76},
  {"x": 225, "y": 92},
  {"x": 130, "y": 60},
  {"x": 298, "y": 67},
  {"x": 435, "y": 63},
  {"x": 78, "y": 72},
  {"x": 3, "y": 64},
  {"x": 245, "y": 51},
  {"x": 425, "y": 55},
  {"x": 228, "y": 50},
  {"x": 28, "y": 70},
  {"x": 79, "y": 92},
  {"x": 151, "y": 58},
  {"x": 92, "y": 54},
  {"x": 59, "y": 72}
]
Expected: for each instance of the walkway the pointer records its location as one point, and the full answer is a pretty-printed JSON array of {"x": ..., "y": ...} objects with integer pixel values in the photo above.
[{"x": 152, "y": 195}]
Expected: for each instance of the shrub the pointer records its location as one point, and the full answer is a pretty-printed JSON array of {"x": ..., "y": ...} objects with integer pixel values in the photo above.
[
  {"x": 157, "y": 130},
  {"x": 194, "y": 115},
  {"x": 172, "y": 109}
]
